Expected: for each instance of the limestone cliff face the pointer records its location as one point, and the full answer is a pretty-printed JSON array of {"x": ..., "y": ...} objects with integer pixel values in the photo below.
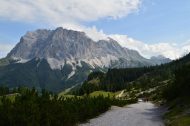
[{"x": 62, "y": 46}]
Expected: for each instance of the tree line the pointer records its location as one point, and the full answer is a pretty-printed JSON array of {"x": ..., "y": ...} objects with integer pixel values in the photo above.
[
  {"x": 113, "y": 80},
  {"x": 180, "y": 87},
  {"x": 31, "y": 108},
  {"x": 119, "y": 79}
]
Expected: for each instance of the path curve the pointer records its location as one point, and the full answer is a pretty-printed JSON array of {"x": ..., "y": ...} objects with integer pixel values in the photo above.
[
  {"x": 120, "y": 94},
  {"x": 139, "y": 114}
]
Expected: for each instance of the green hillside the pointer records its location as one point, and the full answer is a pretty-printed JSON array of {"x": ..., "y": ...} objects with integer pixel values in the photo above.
[
  {"x": 32, "y": 108},
  {"x": 167, "y": 84},
  {"x": 37, "y": 73}
]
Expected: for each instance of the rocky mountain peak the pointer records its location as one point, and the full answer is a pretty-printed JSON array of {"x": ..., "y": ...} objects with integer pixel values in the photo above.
[
  {"x": 60, "y": 58},
  {"x": 62, "y": 46},
  {"x": 160, "y": 59}
]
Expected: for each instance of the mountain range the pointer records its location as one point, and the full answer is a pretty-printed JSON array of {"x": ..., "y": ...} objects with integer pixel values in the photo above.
[{"x": 60, "y": 58}]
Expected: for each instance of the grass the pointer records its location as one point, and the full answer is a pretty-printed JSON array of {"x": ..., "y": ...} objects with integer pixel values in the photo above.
[
  {"x": 118, "y": 92},
  {"x": 11, "y": 97},
  {"x": 180, "y": 121},
  {"x": 93, "y": 94},
  {"x": 178, "y": 114},
  {"x": 62, "y": 93},
  {"x": 66, "y": 91},
  {"x": 66, "y": 95},
  {"x": 103, "y": 93}
]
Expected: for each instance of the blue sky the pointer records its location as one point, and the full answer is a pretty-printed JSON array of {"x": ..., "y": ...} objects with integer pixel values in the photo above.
[
  {"x": 156, "y": 21},
  {"x": 150, "y": 22}
]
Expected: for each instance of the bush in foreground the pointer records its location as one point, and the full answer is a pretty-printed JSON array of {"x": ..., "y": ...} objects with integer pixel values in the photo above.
[{"x": 33, "y": 109}]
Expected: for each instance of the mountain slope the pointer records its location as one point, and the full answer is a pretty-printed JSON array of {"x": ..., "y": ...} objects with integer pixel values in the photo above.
[
  {"x": 35, "y": 73},
  {"x": 61, "y": 45},
  {"x": 142, "y": 78},
  {"x": 67, "y": 56},
  {"x": 160, "y": 59}
]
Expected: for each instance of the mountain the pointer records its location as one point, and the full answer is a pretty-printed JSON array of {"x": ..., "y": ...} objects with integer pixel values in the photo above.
[
  {"x": 60, "y": 58},
  {"x": 62, "y": 46},
  {"x": 160, "y": 59},
  {"x": 167, "y": 85},
  {"x": 140, "y": 79}
]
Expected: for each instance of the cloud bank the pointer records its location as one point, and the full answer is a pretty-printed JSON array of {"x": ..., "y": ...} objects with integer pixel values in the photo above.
[
  {"x": 169, "y": 50},
  {"x": 5, "y": 48},
  {"x": 71, "y": 14},
  {"x": 66, "y": 11}
]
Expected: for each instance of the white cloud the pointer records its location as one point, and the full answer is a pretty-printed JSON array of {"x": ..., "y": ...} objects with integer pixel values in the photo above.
[
  {"x": 91, "y": 32},
  {"x": 5, "y": 48},
  {"x": 72, "y": 13},
  {"x": 66, "y": 11},
  {"x": 95, "y": 34},
  {"x": 169, "y": 50}
]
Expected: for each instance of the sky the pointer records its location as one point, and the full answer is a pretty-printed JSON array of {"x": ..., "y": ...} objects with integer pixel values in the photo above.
[{"x": 152, "y": 27}]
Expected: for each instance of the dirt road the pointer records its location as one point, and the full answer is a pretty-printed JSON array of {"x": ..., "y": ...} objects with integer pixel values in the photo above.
[{"x": 139, "y": 114}]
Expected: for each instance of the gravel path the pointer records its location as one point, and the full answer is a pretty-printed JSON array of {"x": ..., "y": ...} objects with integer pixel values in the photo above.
[{"x": 139, "y": 114}]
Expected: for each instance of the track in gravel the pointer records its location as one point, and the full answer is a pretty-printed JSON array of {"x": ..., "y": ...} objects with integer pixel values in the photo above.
[{"x": 139, "y": 114}]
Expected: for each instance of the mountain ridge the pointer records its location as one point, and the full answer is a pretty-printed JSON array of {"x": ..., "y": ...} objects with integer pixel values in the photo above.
[
  {"x": 62, "y": 44},
  {"x": 73, "y": 54}
]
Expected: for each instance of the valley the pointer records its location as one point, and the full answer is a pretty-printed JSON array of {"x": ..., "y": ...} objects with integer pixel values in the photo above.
[{"x": 83, "y": 83}]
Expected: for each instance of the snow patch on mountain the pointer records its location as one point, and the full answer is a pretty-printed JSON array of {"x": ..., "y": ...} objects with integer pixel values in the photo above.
[
  {"x": 71, "y": 74},
  {"x": 55, "y": 64},
  {"x": 20, "y": 60}
]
